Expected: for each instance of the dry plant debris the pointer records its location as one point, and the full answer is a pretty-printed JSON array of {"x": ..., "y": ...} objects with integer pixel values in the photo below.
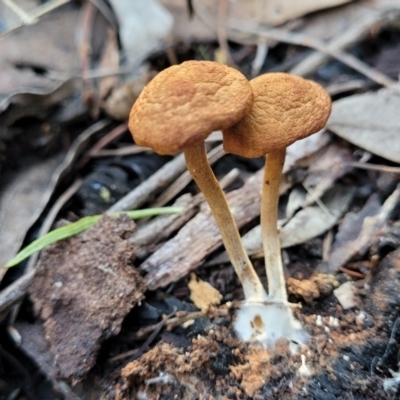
[
  {"x": 83, "y": 289},
  {"x": 362, "y": 118},
  {"x": 312, "y": 288},
  {"x": 352, "y": 351},
  {"x": 17, "y": 218},
  {"x": 266, "y": 12},
  {"x": 338, "y": 360},
  {"x": 203, "y": 294}
]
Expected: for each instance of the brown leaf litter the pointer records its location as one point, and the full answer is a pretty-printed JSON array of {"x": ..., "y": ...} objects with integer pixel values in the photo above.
[{"x": 83, "y": 289}]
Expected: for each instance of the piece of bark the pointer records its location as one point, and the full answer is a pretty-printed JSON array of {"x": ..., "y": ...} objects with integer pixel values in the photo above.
[
  {"x": 83, "y": 288},
  {"x": 200, "y": 236},
  {"x": 147, "y": 236},
  {"x": 307, "y": 224}
]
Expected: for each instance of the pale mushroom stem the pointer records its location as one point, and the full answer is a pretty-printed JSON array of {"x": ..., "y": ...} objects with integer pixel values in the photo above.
[
  {"x": 198, "y": 166},
  {"x": 269, "y": 226}
]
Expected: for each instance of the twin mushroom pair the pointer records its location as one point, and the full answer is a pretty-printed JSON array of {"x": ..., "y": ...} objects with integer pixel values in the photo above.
[{"x": 176, "y": 112}]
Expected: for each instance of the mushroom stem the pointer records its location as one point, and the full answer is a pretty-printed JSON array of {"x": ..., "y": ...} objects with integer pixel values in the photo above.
[
  {"x": 269, "y": 219},
  {"x": 198, "y": 166}
]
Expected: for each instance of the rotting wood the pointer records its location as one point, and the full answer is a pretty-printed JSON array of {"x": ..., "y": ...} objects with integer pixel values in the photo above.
[
  {"x": 158, "y": 229},
  {"x": 199, "y": 237}
]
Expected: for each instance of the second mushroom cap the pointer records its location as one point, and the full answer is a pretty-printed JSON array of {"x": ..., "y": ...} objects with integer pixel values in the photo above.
[{"x": 286, "y": 108}]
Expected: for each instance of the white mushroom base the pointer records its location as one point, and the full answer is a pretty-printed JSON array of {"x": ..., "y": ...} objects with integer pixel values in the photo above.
[{"x": 269, "y": 322}]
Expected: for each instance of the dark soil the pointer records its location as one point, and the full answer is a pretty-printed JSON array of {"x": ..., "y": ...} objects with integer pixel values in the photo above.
[{"x": 348, "y": 356}]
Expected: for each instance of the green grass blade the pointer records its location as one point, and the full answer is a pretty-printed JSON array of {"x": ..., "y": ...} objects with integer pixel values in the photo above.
[{"x": 80, "y": 226}]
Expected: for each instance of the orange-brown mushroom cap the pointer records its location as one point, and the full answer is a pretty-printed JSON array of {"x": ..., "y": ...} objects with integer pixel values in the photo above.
[
  {"x": 286, "y": 108},
  {"x": 183, "y": 104}
]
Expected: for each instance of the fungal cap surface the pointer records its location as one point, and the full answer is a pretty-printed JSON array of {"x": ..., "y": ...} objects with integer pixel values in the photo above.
[
  {"x": 286, "y": 108},
  {"x": 184, "y": 103}
]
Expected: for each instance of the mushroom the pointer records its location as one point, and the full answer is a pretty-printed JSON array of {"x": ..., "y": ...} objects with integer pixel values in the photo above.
[
  {"x": 286, "y": 108},
  {"x": 176, "y": 112}
]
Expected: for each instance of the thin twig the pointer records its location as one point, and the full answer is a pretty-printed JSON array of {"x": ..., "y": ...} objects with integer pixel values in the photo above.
[
  {"x": 25, "y": 17},
  {"x": 122, "y": 151},
  {"x": 107, "y": 139},
  {"x": 151, "y": 186},
  {"x": 327, "y": 245},
  {"x": 352, "y": 273},
  {"x": 213, "y": 156},
  {"x": 51, "y": 216},
  {"x": 353, "y": 34},
  {"x": 342, "y": 87},
  {"x": 176, "y": 321},
  {"x": 36, "y": 14},
  {"x": 221, "y": 31},
  {"x": 14, "y": 292},
  {"x": 374, "y": 167},
  {"x": 261, "y": 55},
  {"x": 104, "y": 141},
  {"x": 89, "y": 74},
  {"x": 300, "y": 39},
  {"x": 323, "y": 207},
  {"x": 136, "y": 353}
]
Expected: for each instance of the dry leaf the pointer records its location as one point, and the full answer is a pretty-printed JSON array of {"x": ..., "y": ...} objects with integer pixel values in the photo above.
[
  {"x": 382, "y": 4},
  {"x": 268, "y": 12},
  {"x": 313, "y": 221},
  {"x": 21, "y": 203},
  {"x": 118, "y": 105},
  {"x": 203, "y": 25},
  {"x": 335, "y": 22},
  {"x": 187, "y": 27},
  {"x": 370, "y": 121},
  {"x": 144, "y": 25},
  {"x": 46, "y": 46},
  {"x": 203, "y": 294},
  {"x": 304, "y": 148},
  {"x": 33, "y": 188}
]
